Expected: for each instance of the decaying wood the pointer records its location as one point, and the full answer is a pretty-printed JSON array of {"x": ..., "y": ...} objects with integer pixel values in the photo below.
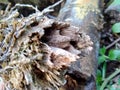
[
  {"x": 36, "y": 52},
  {"x": 84, "y": 14}
]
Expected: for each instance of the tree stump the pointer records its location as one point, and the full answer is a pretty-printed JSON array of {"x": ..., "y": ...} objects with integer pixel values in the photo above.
[{"x": 39, "y": 53}]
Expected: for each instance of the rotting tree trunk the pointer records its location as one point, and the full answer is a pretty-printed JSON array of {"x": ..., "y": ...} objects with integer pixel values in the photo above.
[
  {"x": 81, "y": 74},
  {"x": 84, "y": 14}
]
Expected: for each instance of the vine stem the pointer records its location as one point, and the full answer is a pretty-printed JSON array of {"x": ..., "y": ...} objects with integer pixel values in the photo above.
[{"x": 109, "y": 78}]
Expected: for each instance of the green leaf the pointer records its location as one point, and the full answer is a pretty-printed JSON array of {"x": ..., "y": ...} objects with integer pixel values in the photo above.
[
  {"x": 116, "y": 28},
  {"x": 119, "y": 81},
  {"x": 102, "y": 51},
  {"x": 101, "y": 59},
  {"x": 99, "y": 74},
  {"x": 98, "y": 87},
  {"x": 110, "y": 2},
  {"x": 115, "y": 2},
  {"x": 99, "y": 77},
  {"x": 114, "y": 5},
  {"x": 104, "y": 71},
  {"x": 102, "y": 56},
  {"x": 112, "y": 87},
  {"x": 114, "y": 54}
]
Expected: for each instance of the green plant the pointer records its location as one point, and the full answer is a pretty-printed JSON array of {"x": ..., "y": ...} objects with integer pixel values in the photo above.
[
  {"x": 116, "y": 28},
  {"x": 115, "y": 2},
  {"x": 101, "y": 73},
  {"x": 102, "y": 80},
  {"x": 113, "y": 54},
  {"x": 114, "y": 5}
]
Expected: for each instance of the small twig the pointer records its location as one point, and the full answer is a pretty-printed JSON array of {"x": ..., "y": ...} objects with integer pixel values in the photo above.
[
  {"x": 4, "y": 57},
  {"x": 12, "y": 15},
  {"x": 24, "y": 5},
  {"x": 6, "y": 68},
  {"x": 117, "y": 40},
  {"x": 37, "y": 16},
  {"x": 7, "y": 9},
  {"x": 46, "y": 10},
  {"x": 50, "y": 8},
  {"x": 109, "y": 78}
]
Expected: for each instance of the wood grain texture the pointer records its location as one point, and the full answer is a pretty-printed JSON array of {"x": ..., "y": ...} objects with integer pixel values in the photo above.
[{"x": 85, "y": 15}]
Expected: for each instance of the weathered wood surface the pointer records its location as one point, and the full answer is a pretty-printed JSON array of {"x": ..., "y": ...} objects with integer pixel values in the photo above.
[{"x": 83, "y": 14}]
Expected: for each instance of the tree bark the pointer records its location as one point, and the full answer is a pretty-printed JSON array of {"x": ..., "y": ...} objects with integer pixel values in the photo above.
[{"x": 84, "y": 14}]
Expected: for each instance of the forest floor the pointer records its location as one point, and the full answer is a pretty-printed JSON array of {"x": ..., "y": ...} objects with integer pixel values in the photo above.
[{"x": 108, "y": 77}]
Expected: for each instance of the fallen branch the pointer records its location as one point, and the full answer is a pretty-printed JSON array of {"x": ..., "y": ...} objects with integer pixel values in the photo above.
[
  {"x": 113, "y": 43},
  {"x": 109, "y": 79}
]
